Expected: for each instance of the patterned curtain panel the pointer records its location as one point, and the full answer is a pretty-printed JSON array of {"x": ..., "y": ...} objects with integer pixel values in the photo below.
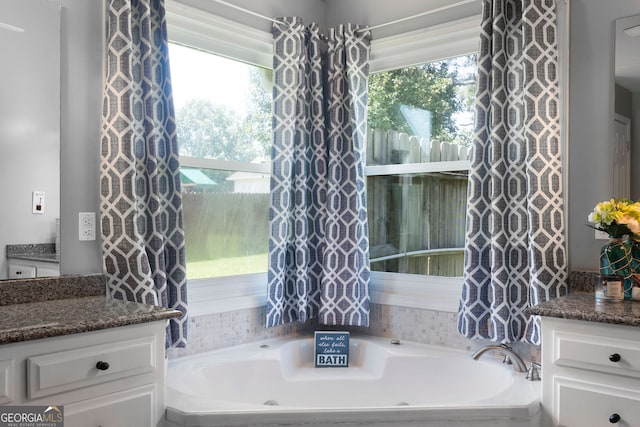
[
  {"x": 515, "y": 255},
  {"x": 318, "y": 249},
  {"x": 141, "y": 205}
]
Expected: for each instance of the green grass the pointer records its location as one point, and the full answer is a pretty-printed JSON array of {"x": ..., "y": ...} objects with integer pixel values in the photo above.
[{"x": 227, "y": 266}]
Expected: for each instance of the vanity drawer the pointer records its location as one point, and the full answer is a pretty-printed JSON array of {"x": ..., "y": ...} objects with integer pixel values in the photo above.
[
  {"x": 590, "y": 404},
  {"x": 597, "y": 353},
  {"x": 73, "y": 369}
]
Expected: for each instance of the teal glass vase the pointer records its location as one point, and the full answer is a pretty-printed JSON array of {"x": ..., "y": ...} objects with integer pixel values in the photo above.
[
  {"x": 616, "y": 259},
  {"x": 635, "y": 255}
]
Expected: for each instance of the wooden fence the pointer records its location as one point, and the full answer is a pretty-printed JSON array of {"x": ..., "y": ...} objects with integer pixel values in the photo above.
[
  {"x": 222, "y": 225},
  {"x": 392, "y": 147},
  {"x": 416, "y": 221}
]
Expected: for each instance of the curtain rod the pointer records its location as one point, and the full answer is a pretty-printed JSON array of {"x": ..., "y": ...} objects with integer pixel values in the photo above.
[
  {"x": 250, "y": 12},
  {"x": 374, "y": 27}
]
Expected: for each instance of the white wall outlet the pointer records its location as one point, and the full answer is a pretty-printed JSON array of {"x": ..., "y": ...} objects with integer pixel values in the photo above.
[
  {"x": 87, "y": 226},
  {"x": 601, "y": 235},
  {"x": 37, "y": 203}
]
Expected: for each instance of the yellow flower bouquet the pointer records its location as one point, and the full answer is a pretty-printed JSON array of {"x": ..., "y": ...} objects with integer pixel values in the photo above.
[{"x": 616, "y": 217}]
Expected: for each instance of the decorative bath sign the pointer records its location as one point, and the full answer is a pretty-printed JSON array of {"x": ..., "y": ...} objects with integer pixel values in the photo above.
[{"x": 332, "y": 349}]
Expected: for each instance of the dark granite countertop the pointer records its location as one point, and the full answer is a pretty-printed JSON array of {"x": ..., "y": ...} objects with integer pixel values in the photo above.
[
  {"x": 53, "y": 258},
  {"x": 24, "y": 322},
  {"x": 22, "y": 291},
  {"x": 45, "y": 252},
  {"x": 47, "y": 307},
  {"x": 583, "y": 306}
]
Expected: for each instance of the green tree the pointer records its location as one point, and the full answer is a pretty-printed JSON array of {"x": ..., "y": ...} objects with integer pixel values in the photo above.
[
  {"x": 215, "y": 131},
  {"x": 432, "y": 87},
  {"x": 257, "y": 124},
  {"x": 209, "y": 130}
]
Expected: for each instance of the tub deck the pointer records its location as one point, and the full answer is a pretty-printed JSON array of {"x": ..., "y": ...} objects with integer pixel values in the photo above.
[{"x": 276, "y": 383}]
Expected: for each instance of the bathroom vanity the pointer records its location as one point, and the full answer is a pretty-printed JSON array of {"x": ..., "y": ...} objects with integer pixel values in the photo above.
[
  {"x": 35, "y": 260},
  {"x": 590, "y": 361},
  {"x": 102, "y": 359}
]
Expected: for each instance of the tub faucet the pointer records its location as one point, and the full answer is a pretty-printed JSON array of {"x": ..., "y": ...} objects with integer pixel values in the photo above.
[{"x": 510, "y": 356}]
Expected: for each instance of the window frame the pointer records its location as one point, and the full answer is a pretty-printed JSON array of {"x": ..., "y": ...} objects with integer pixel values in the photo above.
[{"x": 193, "y": 27}]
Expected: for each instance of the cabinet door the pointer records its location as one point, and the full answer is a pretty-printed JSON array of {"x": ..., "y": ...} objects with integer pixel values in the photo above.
[
  {"x": 44, "y": 270},
  {"x": 132, "y": 408},
  {"x": 6, "y": 381},
  {"x": 589, "y": 404}
]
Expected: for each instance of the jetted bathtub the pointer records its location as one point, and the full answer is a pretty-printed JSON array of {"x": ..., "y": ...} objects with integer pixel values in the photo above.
[{"x": 386, "y": 384}]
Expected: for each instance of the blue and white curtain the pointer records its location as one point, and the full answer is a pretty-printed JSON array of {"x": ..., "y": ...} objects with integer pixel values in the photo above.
[
  {"x": 515, "y": 254},
  {"x": 318, "y": 248},
  {"x": 141, "y": 205}
]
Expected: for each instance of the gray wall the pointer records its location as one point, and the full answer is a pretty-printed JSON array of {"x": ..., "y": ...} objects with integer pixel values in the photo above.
[
  {"x": 635, "y": 146},
  {"x": 374, "y": 12},
  {"x": 29, "y": 123},
  {"x": 591, "y": 106},
  {"x": 81, "y": 92},
  {"x": 309, "y": 10},
  {"x": 591, "y": 119}
]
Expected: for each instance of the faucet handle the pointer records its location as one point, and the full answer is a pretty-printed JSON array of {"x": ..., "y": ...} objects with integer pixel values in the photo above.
[
  {"x": 506, "y": 360},
  {"x": 533, "y": 373}
]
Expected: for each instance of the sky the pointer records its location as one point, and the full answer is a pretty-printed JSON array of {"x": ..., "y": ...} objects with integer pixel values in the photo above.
[{"x": 198, "y": 74}]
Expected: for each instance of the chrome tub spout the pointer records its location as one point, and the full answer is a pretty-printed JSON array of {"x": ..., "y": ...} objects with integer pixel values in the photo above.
[{"x": 510, "y": 356}]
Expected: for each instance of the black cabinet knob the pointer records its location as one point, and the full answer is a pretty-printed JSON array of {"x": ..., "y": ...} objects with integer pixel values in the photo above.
[
  {"x": 615, "y": 357},
  {"x": 103, "y": 366},
  {"x": 614, "y": 418}
]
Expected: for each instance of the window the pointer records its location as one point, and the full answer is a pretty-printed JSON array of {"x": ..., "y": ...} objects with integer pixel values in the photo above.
[
  {"x": 420, "y": 124},
  {"x": 223, "y": 119},
  {"x": 395, "y": 220}
]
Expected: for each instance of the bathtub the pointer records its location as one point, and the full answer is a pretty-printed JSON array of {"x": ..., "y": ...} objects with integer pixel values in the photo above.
[{"x": 386, "y": 384}]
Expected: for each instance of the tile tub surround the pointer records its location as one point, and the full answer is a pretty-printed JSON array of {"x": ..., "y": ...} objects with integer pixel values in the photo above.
[
  {"x": 22, "y": 291},
  {"x": 220, "y": 330},
  {"x": 431, "y": 327},
  {"x": 232, "y": 328}
]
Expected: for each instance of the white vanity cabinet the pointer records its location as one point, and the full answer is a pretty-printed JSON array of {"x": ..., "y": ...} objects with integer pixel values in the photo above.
[
  {"x": 590, "y": 373},
  {"x": 27, "y": 269},
  {"x": 111, "y": 377}
]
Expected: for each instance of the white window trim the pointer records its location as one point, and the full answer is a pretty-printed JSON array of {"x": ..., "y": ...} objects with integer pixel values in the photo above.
[
  {"x": 223, "y": 294},
  {"x": 454, "y": 38},
  {"x": 194, "y": 27},
  {"x": 225, "y": 165},
  {"x": 411, "y": 168}
]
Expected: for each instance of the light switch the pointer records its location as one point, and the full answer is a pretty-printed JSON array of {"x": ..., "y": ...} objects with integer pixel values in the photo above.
[{"x": 37, "y": 203}]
